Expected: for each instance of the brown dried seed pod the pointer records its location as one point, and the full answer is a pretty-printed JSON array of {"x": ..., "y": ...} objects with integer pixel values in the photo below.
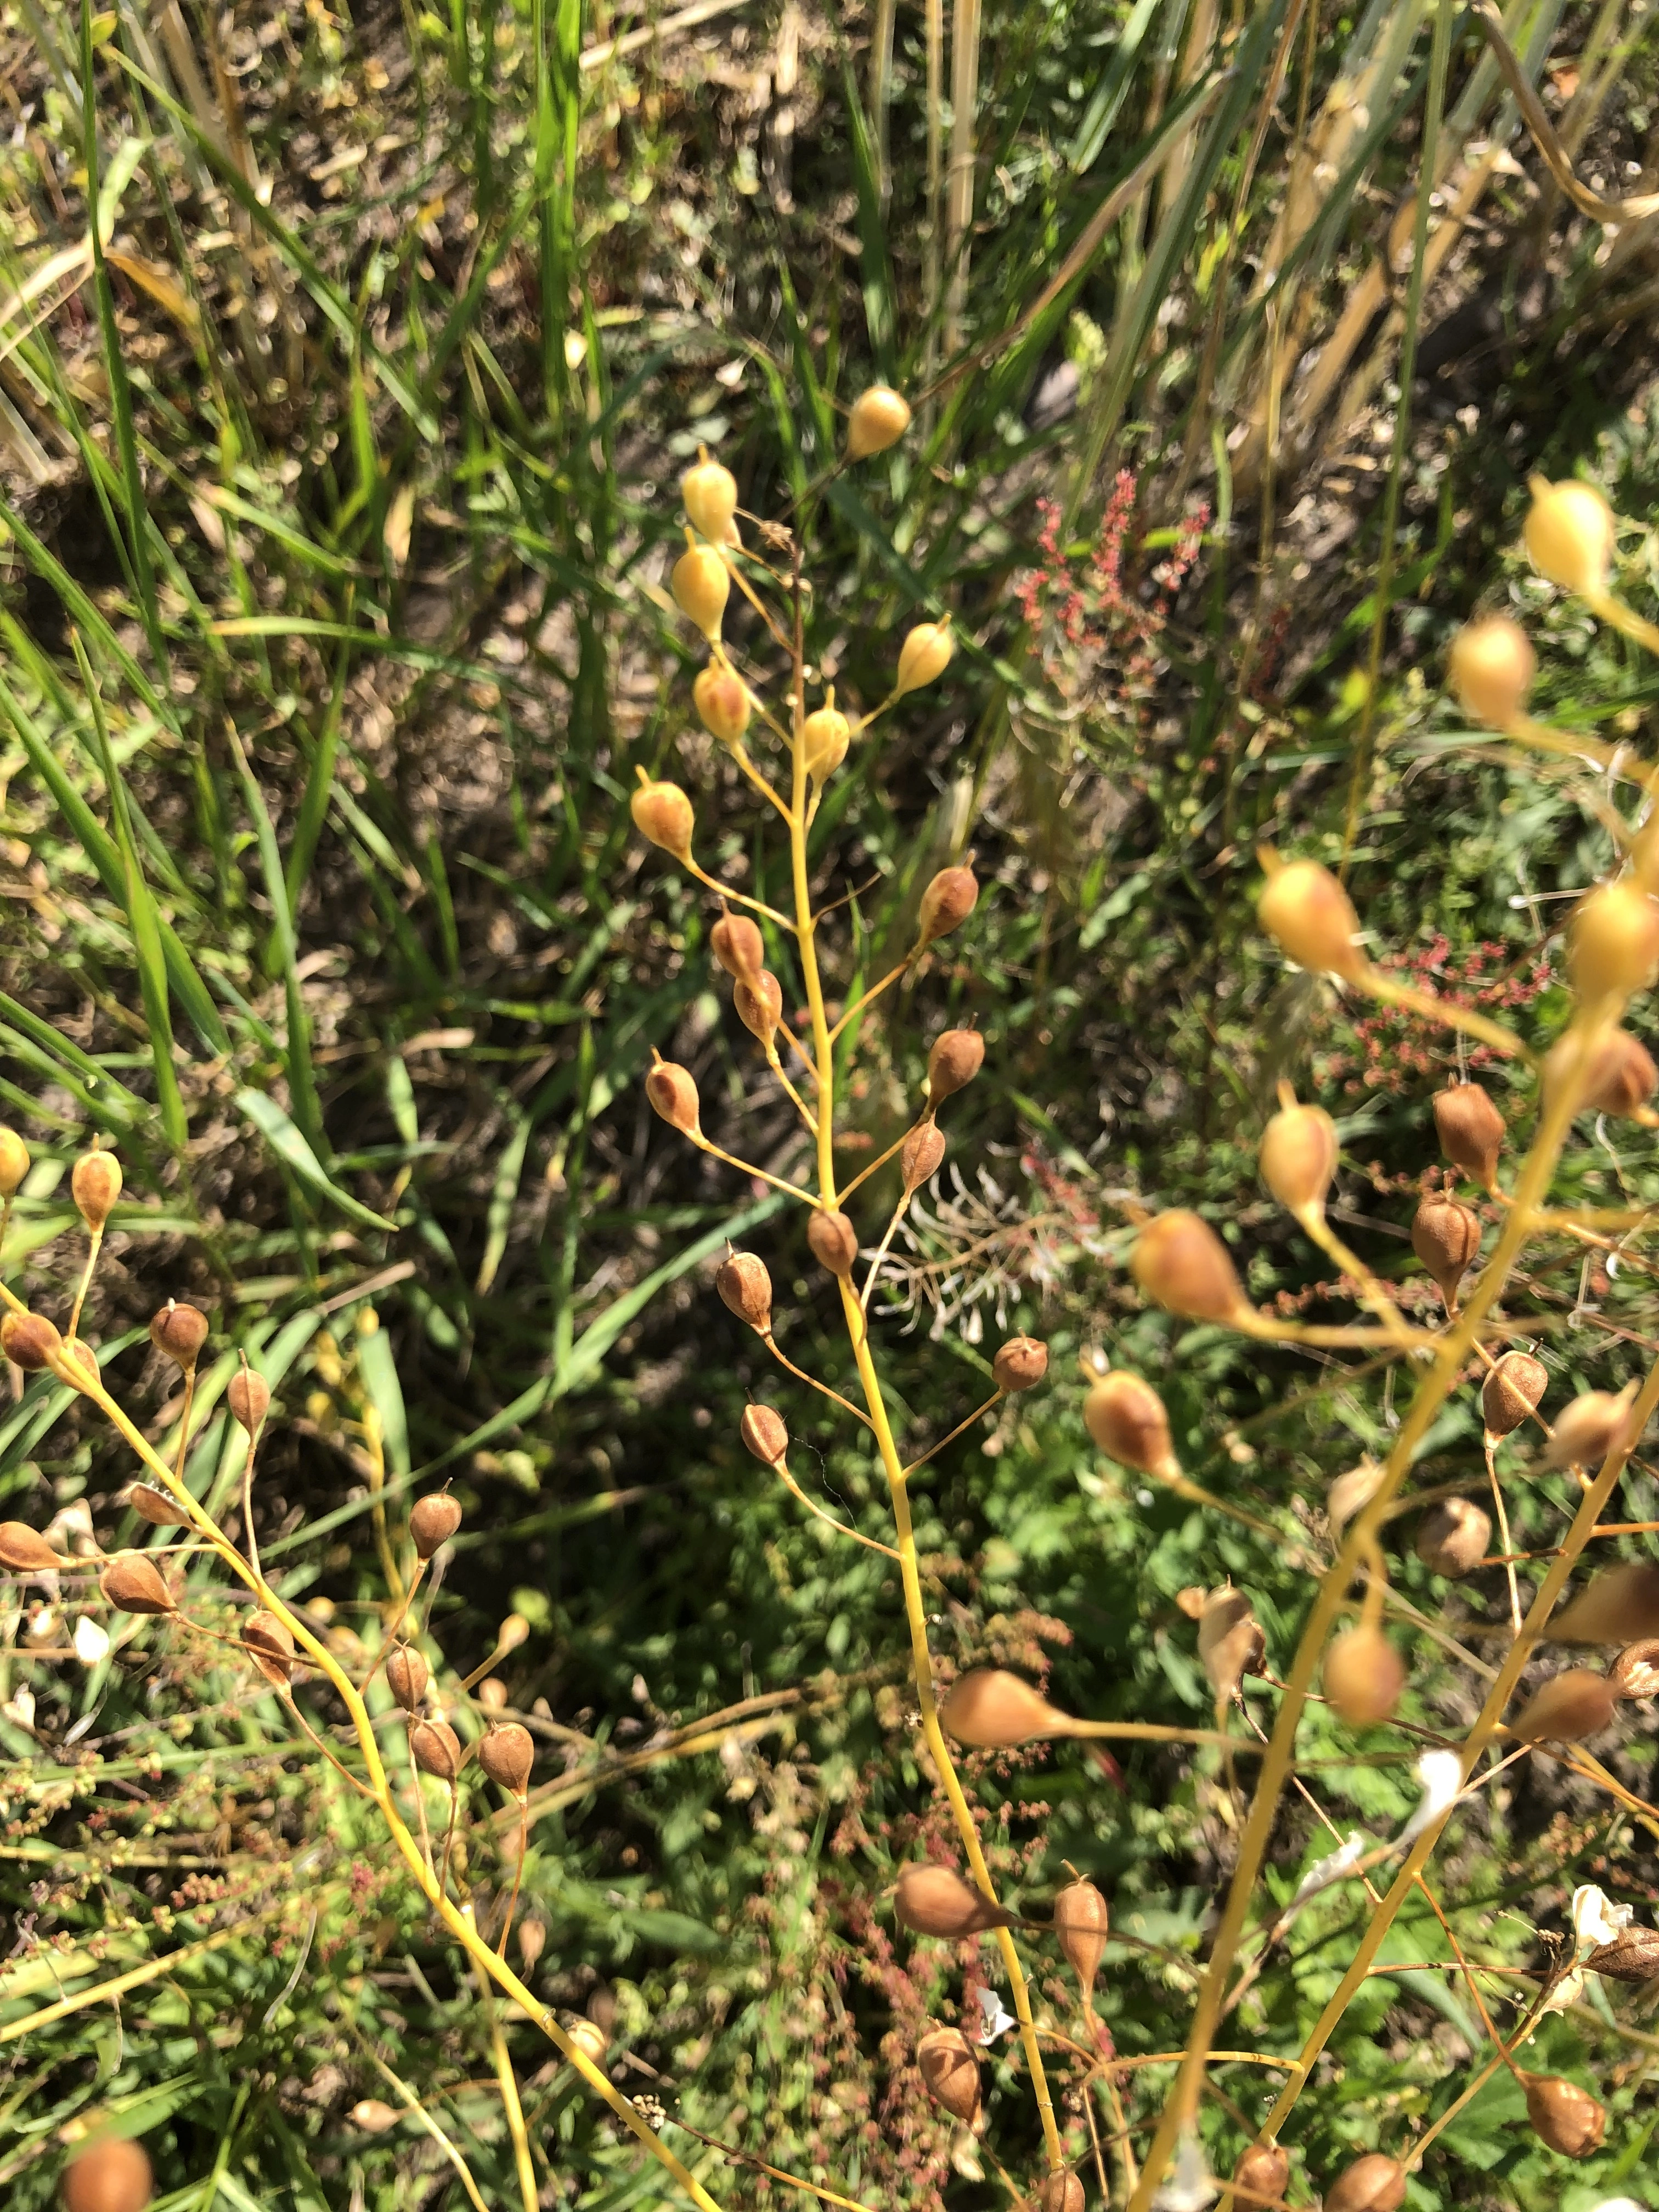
[
  {"x": 1632, "y": 1956},
  {"x": 920, "y": 1154},
  {"x": 180, "y": 1332},
  {"x": 763, "y": 1431},
  {"x": 1081, "y": 1926},
  {"x": 132, "y": 1585},
  {"x": 111, "y": 2176},
  {"x": 1363, "y": 1676},
  {"x": 94, "y": 1185},
  {"x": 1352, "y": 1491},
  {"x": 1445, "y": 1237},
  {"x": 1612, "y": 940},
  {"x": 1512, "y": 1392},
  {"x": 673, "y": 1091},
  {"x": 1126, "y": 1419},
  {"x": 1452, "y": 1537},
  {"x": 24, "y": 1551},
  {"x": 746, "y": 1289},
  {"x": 1635, "y": 1672},
  {"x": 1060, "y": 2193},
  {"x": 436, "y": 1749},
  {"x": 1620, "y": 1078},
  {"x": 1264, "y": 2172},
  {"x": 1298, "y": 1156},
  {"x": 739, "y": 946},
  {"x": 28, "y": 1341},
  {"x": 1620, "y": 1605},
  {"x": 834, "y": 1240},
  {"x": 492, "y": 1694},
  {"x": 992, "y": 1709},
  {"x": 157, "y": 1507},
  {"x": 1567, "y": 1709},
  {"x": 931, "y": 1900},
  {"x": 759, "y": 1004},
  {"x": 1596, "y": 1423},
  {"x": 1566, "y": 2117},
  {"x": 374, "y": 2118},
  {"x": 1306, "y": 909},
  {"x": 1231, "y": 1644},
  {"x": 248, "y": 1396},
  {"x": 407, "y": 1674},
  {"x": 506, "y": 1755},
  {"x": 955, "y": 1059},
  {"x": 1183, "y": 1266},
  {"x": 946, "y": 904},
  {"x": 1471, "y": 1130},
  {"x": 1371, "y": 2183},
  {"x": 268, "y": 1643},
  {"x": 432, "y": 1520},
  {"x": 1020, "y": 1364},
  {"x": 950, "y": 2071}
]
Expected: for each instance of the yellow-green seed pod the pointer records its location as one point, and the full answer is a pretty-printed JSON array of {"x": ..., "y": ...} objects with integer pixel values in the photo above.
[
  {"x": 702, "y": 584},
  {"x": 1306, "y": 909},
  {"x": 710, "y": 496},
  {"x": 924, "y": 655},
  {"x": 824, "y": 738},
  {"x": 879, "y": 419},
  {"x": 94, "y": 1185},
  {"x": 1569, "y": 535},
  {"x": 1299, "y": 1156},
  {"x": 662, "y": 815},
  {"x": 1491, "y": 668},
  {"x": 1612, "y": 940},
  {"x": 14, "y": 1163},
  {"x": 722, "y": 702}
]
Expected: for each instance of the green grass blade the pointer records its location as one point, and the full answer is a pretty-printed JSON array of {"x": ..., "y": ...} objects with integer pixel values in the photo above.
[
  {"x": 291, "y": 1148},
  {"x": 302, "y": 1079}
]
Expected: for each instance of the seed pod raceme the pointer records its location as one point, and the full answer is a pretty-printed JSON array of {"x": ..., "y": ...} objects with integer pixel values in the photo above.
[
  {"x": 1570, "y": 534},
  {"x": 1471, "y": 1130},
  {"x": 1612, "y": 940},
  {"x": 112, "y": 2175},
  {"x": 1568, "y": 1707},
  {"x": 746, "y": 1289},
  {"x": 920, "y": 1154},
  {"x": 1595, "y": 1422},
  {"x": 506, "y": 1755},
  {"x": 1566, "y": 2117},
  {"x": 759, "y": 1004},
  {"x": 1020, "y": 1364},
  {"x": 663, "y": 816},
  {"x": 1060, "y": 2193},
  {"x": 1445, "y": 1237},
  {"x": 925, "y": 656},
  {"x": 1371, "y": 2183},
  {"x": 1632, "y": 1956},
  {"x": 1231, "y": 1644},
  {"x": 834, "y": 1240},
  {"x": 1299, "y": 1157},
  {"x": 950, "y": 2071},
  {"x": 990, "y": 1709},
  {"x": 1126, "y": 1419},
  {"x": 1363, "y": 1676},
  {"x": 1183, "y": 1266},
  {"x": 739, "y": 946},
  {"x": 931, "y": 1900},
  {"x": 407, "y": 1676},
  {"x": 131, "y": 1584},
  {"x": 954, "y": 1059},
  {"x": 1263, "y": 2173},
  {"x": 436, "y": 1749},
  {"x": 824, "y": 737},
  {"x": 673, "y": 1091},
  {"x": 721, "y": 699},
  {"x": 764, "y": 1433},
  {"x": 24, "y": 1551},
  {"x": 1452, "y": 1537},
  {"x": 1620, "y": 1606},
  {"x": 374, "y": 2117},
  {"x": 179, "y": 1332},
  {"x": 157, "y": 1507},
  {"x": 28, "y": 1341},
  {"x": 14, "y": 1163},
  {"x": 1081, "y": 1923},
  {"x": 1512, "y": 1392},
  {"x": 1307, "y": 912},
  {"x": 1635, "y": 1671},
  {"x": 1492, "y": 667},
  {"x": 268, "y": 1643},
  {"x": 946, "y": 904},
  {"x": 708, "y": 493},
  {"x": 879, "y": 418},
  {"x": 248, "y": 1396},
  {"x": 702, "y": 583},
  {"x": 94, "y": 1185},
  {"x": 433, "y": 1520}
]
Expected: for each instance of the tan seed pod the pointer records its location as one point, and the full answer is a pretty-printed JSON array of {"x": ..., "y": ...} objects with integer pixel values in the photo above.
[
  {"x": 879, "y": 418},
  {"x": 1566, "y": 2117},
  {"x": 432, "y": 1520},
  {"x": 1491, "y": 668},
  {"x": 1471, "y": 1130},
  {"x": 1263, "y": 2174},
  {"x": 28, "y": 1341},
  {"x": 924, "y": 656},
  {"x": 950, "y": 2071},
  {"x": 157, "y": 1507},
  {"x": 721, "y": 699},
  {"x": 991, "y": 1709},
  {"x": 1445, "y": 1237},
  {"x": 1621, "y": 1077},
  {"x": 1126, "y": 1419},
  {"x": 492, "y": 1694},
  {"x": 1231, "y": 1644},
  {"x": 1612, "y": 941},
  {"x": 1298, "y": 1156},
  {"x": 824, "y": 738},
  {"x": 1632, "y": 1956},
  {"x": 920, "y": 1154},
  {"x": 663, "y": 816},
  {"x": 1081, "y": 1926},
  {"x": 1371, "y": 2183},
  {"x": 179, "y": 1332},
  {"x": 1512, "y": 1392},
  {"x": 739, "y": 946},
  {"x": 248, "y": 1396},
  {"x": 131, "y": 1584},
  {"x": 14, "y": 1163},
  {"x": 111, "y": 2176},
  {"x": 763, "y": 1433},
  {"x": 532, "y": 1942},
  {"x": 24, "y": 1551},
  {"x": 268, "y": 1643},
  {"x": 673, "y": 1091},
  {"x": 94, "y": 1185},
  {"x": 746, "y": 1289},
  {"x": 1570, "y": 534},
  {"x": 1351, "y": 1491},
  {"x": 702, "y": 584},
  {"x": 1596, "y": 1422},
  {"x": 506, "y": 1756},
  {"x": 834, "y": 1240},
  {"x": 1452, "y": 1537},
  {"x": 1306, "y": 910},
  {"x": 407, "y": 1676},
  {"x": 1020, "y": 1364},
  {"x": 1060, "y": 2193},
  {"x": 1363, "y": 1676},
  {"x": 1635, "y": 1671},
  {"x": 946, "y": 904},
  {"x": 1568, "y": 1707},
  {"x": 709, "y": 496},
  {"x": 374, "y": 2118},
  {"x": 759, "y": 1004},
  {"x": 931, "y": 1900},
  {"x": 1620, "y": 1606},
  {"x": 955, "y": 1059},
  {"x": 590, "y": 2038},
  {"x": 436, "y": 1749},
  {"x": 1183, "y": 1266}
]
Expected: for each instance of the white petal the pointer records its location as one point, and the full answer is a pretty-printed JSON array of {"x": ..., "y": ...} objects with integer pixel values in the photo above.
[{"x": 1596, "y": 1917}]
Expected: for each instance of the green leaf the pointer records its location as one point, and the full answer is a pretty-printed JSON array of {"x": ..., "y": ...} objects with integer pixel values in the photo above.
[{"x": 291, "y": 1148}]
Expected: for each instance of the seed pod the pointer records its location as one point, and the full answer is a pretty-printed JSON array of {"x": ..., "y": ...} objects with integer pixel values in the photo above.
[
  {"x": 709, "y": 496},
  {"x": 759, "y": 1004},
  {"x": 745, "y": 1289},
  {"x": 925, "y": 654},
  {"x": 268, "y": 1643},
  {"x": 1471, "y": 1130},
  {"x": 834, "y": 1240},
  {"x": 1596, "y": 1422},
  {"x": 1231, "y": 1644},
  {"x": 663, "y": 816},
  {"x": 1619, "y": 1078},
  {"x": 1632, "y": 1956},
  {"x": 248, "y": 1396},
  {"x": 946, "y": 904},
  {"x": 1020, "y": 1364},
  {"x": 492, "y": 1694},
  {"x": 1620, "y": 1605},
  {"x": 1060, "y": 2193},
  {"x": 1263, "y": 2172},
  {"x": 28, "y": 1341},
  {"x": 1566, "y": 2117},
  {"x": 24, "y": 1551},
  {"x": 1568, "y": 1707},
  {"x": 94, "y": 1185},
  {"x": 532, "y": 1942},
  {"x": 1512, "y": 1392},
  {"x": 1306, "y": 910},
  {"x": 1371, "y": 2183},
  {"x": 111, "y": 2176},
  {"x": 1298, "y": 1156},
  {"x": 506, "y": 1755},
  {"x": 1351, "y": 1491},
  {"x": 919, "y": 1155},
  {"x": 879, "y": 419},
  {"x": 1081, "y": 1921},
  {"x": 1635, "y": 1672},
  {"x": 1452, "y": 1537},
  {"x": 1445, "y": 1237},
  {"x": 702, "y": 584},
  {"x": 436, "y": 1749},
  {"x": 950, "y": 2071},
  {"x": 179, "y": 1332},
  {"x": 157, "y": 1507},
  {"x": 739, "y": 946},
  {"x": 374, "y": 2118},
  {"x": 1570, "y": 534},
  {"x": 955, "y": 1059},
  {"x": 931, "y": 1900},
  {"x": 824, "y": 738},
  {"x": 1612, "y": 940},
  {"x": 1363, "y": 1676},
  {"x": 721, "y": 699},
  {"x": 672, "y": 1091},
  {"x": 1126, "y": 1419},
  {"x": 432, "y": 1520},
  {"x": 1492, "y": 667},
  {"x": 14, "y": 1163},
  {"x": 131, "y": 1584},
  {"x": 763, "y": 1433},
  {"x": 991, "y": 1709},
  {"x": 407, "y": 1674},
  {"x": 1183, "y": 1266}
]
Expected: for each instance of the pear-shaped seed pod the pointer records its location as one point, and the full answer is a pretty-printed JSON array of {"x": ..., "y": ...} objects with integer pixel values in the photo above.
[
  {"x": 1622, "y": 1076},
  {"x": 1298, "y": 1156},
  {"x": 1512, "y": 1392},
  {"x": 1492, "y": 667},
  {"x": 824, "y": 738},
  {"x": 991, "y": 1709},
  {"x": 432, "y": 1522},
  {"x": 673, "y": 1091},
  {"x": 506, "y": 1755},
  {"x": 721, "y": 699},
  {"x": 1612, "y": 941},
  {"x": 953, "y": 1061},
  {"x": 1452, "y": 1537},
  {"x": 1020, "y": 1364},
  {"x": 157, "y": 1507},
  {"x": 1306, "y": 910},
  {"x": 924, "y": 656},
  {"x": 24, "y": 1551},
  {"x": 950, "y": 2071},
  {"x": 1231, "y": 1644},
  {"x": 1566, "y": 2117},
  {"x": 94, "y": 1185},
  {"x": 1567, "y": 1709},
  {"x": 132, "y": 1585},
  {"x": 1596, "y": 1422},
  {"x": 270, "y": 1645},
  {"x": 28, "y": 1341},
  {"x": 373, "y": 2117},
  {"x": 946, "y": 904},
  {"x": 709, "y": 496},
  {"x": 1635, "y": 1671},
  {"x": 1632, "y": 1956},
  {"x": 1371, "y": 2183},
  {"x": 920, "y": 1155},
  {"x": 763, "y": 1432},
  {"x": 111, "y": 2176},
  {"x": 1620, "y": 1606},
  {"x": 1353, "y": 1489},
  {"x": 1183, "y": 1266},
  {"x": 1445, "y": 1237},
  {"x": 879, "y": 418},
  {"x": 1570, "y": 534},
  {"x": 663, "y": 816},
  {"x": 436, "y": 1749},
  {"x": 14, "y": 1163},
  {"x": 1363, "y": 1676},
  {"x": 931, "y": 1900},
  {"x": 759, "y": 1004},
  {"x": 1262, "y": 2175},
  {"x": 746, "y": 1289},
  {"x": 248, "y": 1396},
  {"x": 1126, "y": 1419},
  {"x": 407, "y": 1676},
  {"x": 834, "y": 1240},
  {"x": 179, "y": 1332},
  {"x": 1471, "y": 1130},
  {"x": 739, "y": 947},
  {"x": 1081, "y": 1926},
  {"x": 1060, "y": 2193},
  {"x": 702, "y": 584}
]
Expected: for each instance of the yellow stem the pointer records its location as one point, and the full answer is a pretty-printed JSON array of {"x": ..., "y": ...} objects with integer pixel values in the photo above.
[{"x": 504, "y": 2074}]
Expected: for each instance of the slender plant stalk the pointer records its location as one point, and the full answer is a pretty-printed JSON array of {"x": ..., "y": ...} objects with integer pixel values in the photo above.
[{"x": 959, "y": 210}]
